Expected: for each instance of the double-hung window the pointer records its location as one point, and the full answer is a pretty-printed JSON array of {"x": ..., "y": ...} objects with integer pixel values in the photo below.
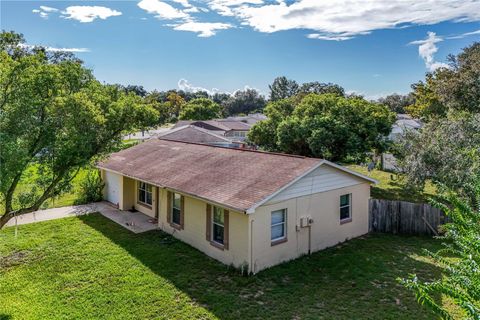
[
  {"x": 346, "y": 207},
  {"x": 218, "y": 225},
  {"x": 278, "y": 225},
  {"x": 176, "y": 208},
  {"x": 145, "y": 193}
]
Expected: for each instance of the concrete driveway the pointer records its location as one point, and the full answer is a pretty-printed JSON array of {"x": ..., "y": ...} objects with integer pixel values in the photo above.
[{"x": 134, "y": 221}]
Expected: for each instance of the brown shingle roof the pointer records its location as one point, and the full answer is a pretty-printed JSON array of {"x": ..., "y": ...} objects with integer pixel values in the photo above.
[
  {"x": 234, "y": 178},
  {"x": 195, "y": 134},
  {"x": 215, "y": 125}
]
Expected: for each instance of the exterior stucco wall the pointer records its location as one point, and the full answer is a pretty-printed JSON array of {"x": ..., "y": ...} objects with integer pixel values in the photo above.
[
  {"x": 128, "y": 200},
  {"x": 249, "y": 235},
  {"x": 326, "y": 230},
  {"x": 194, "y": 232}
]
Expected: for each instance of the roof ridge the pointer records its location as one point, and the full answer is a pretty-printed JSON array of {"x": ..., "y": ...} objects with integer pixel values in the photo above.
[{"x": 240, "y": 149}]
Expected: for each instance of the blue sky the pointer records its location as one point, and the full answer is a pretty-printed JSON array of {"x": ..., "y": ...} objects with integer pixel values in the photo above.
[{"x": 372, "y": 47}]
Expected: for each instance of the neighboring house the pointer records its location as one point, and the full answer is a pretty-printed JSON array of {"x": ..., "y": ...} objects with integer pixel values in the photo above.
[
  {"x": 247, "y": 208},
  {"x": 234, "y": 130},
  {"x": 250, "y": 119},
  {"x": 190, "y": 133},
  {"x": 403, "y": 124}
]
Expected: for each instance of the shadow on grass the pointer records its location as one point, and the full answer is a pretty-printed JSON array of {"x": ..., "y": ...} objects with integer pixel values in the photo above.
[{"x": 353, "y": 280}]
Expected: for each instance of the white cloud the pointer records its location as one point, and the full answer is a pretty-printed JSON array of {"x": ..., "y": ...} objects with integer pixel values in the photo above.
[
  {"x": 184, "y": 3},
  {"x": 463, "y": 35},
  {"x": 204, "y": 29},
  {"x": 427, "y": 49},
  {"x": 162, "y": 10},
  {"x": 344, "y": 19},
  {"x": 48, "y": 9},
  {"x": 184, "y": 21},
  {"x": 185, "y": 85},
  {"x": 329, "y": 38},
  {"x": 54, "y": 49},
  {"x": 87, "y": 14},
  {"x": 44, "y": 11},
  {"x": 226, "y": 7}
]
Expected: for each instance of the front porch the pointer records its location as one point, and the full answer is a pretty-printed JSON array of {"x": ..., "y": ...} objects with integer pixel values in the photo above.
[{"x": 136, "y": 222}]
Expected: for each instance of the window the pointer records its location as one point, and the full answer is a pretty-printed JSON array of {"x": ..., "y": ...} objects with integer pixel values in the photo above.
[
  {"x": 145, "y": 193},
  {"x": 218, "y": 225},
  {"x": 345, "y": 207},
  {"x": 176, "y": 208},
  {"x": 278, "y": 225}
]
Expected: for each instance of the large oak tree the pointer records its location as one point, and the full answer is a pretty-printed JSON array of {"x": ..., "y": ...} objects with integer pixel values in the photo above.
[{"x": 56, "y": 116}]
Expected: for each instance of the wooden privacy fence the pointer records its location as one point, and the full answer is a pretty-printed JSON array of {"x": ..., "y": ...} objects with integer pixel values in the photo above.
[{"x": 405, "y": 217}]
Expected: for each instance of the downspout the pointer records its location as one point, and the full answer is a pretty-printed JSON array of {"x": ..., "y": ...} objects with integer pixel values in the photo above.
[
  {"x": 252, "y": 266},
  {"x": 309, "y": 240}
]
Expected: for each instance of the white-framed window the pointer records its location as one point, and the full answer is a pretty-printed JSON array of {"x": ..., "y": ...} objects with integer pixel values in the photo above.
[
  {"x": 145, "y": 193},
  {"x": 279, "y": 225},
  {"x": 176, "y": 208},
  {"x": 218, "y": 225},
  {"x": 345, "y": 206}
]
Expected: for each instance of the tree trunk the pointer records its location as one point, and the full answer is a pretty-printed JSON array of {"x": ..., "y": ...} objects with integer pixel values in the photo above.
[{"x": 5, "y": 218}]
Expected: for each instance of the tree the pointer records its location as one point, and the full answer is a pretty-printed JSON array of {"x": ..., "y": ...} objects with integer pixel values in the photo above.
[
  {"x": 244, "y": 102},
  {"x": 138, "y": 90},
  {"x": 264, "y": 133},
  {"x": 221, "y": 98},
  {"x": 321, "y": 88},
  {"x": 397, "y": 102},
  {"x": 427, "y": 103},
  {"x": 168, "y": 104},
  {"x": 282, "y": 88},
  {"x": 200, "y": 109},
  {"x": 452, "y": 89},
  {"x": 445, "y": 150},
  {"x": 55, "y": 116},
  {"x": 461, "y": 279},
  {"x": 327, "y": 126}
]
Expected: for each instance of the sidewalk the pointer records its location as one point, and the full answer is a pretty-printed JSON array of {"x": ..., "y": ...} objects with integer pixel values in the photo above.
[{"x": 134, "y": 221}]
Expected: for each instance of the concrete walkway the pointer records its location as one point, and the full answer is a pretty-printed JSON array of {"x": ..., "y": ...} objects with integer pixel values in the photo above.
[{"x": 134, "y": 221}]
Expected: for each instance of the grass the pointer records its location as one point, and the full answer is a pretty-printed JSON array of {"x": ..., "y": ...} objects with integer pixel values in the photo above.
[
  {"x": 392, "y": 187},
  {"x": 66, "y": 199},
  {"x": 89, "y": 267}
]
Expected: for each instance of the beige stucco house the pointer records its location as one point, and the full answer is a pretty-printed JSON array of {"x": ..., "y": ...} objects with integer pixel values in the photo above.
[{"x": 247, "y": 208}]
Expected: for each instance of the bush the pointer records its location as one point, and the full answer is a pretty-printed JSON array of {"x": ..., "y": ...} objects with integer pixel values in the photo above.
[
  {"x": 91, "y": 188},
  {"x": 461, "y": 279}
]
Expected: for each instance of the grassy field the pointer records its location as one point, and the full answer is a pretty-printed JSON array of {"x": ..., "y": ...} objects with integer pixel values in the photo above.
[
  {"x": 89, "y": 267},
  {"x": 391, "y": 186},
  {"x": 66, "y": 199}
]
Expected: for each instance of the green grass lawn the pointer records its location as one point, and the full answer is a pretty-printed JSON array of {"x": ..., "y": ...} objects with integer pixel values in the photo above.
[
  {"x": 89, "y": 267},
  {"x": 66, "y": 199},
  {"x": 392, "y": 187}
]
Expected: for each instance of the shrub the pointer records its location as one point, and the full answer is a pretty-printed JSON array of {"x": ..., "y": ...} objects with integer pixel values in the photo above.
[
  {"x": 91, "y": 188},
  {"x": 461, "y": 279}
]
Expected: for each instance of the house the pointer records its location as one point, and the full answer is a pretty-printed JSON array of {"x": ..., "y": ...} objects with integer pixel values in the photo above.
[
  {"x": 250, "y": 119},
  {"x": 245, "y": 208},
  {"x": 232, "y": 129},
  {"x": 190, "y": 133},
  {"x": 403, "y": 124}
]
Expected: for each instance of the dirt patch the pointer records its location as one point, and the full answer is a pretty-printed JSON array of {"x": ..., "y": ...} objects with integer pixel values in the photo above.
[{"x": 14, "y": 259}]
